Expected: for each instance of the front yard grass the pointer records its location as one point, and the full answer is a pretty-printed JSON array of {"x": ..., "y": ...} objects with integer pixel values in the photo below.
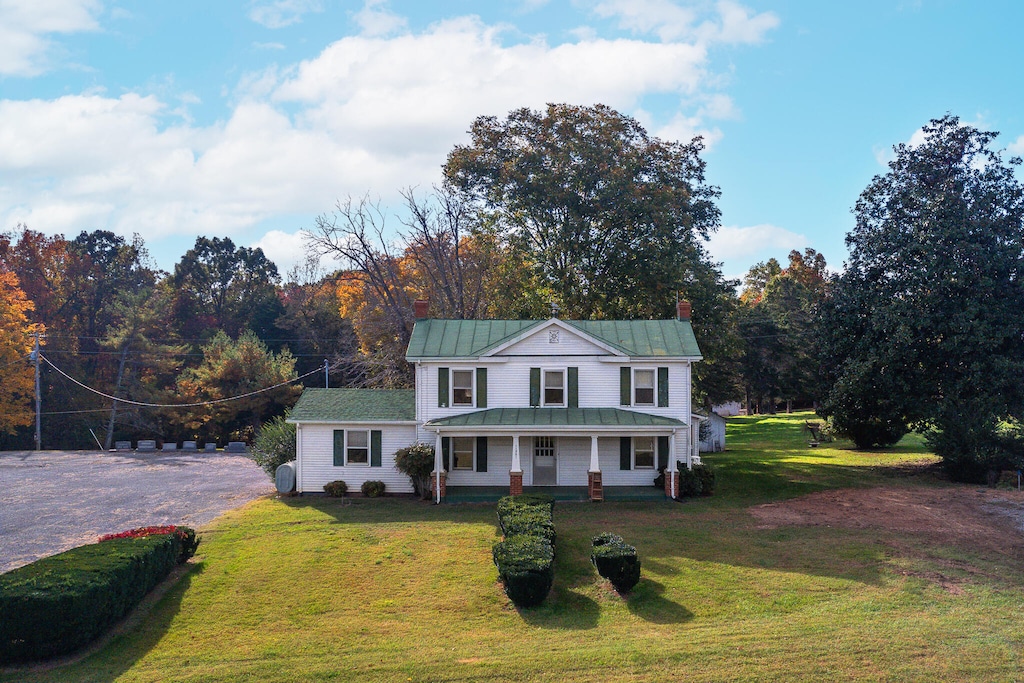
[{"x": 324, "y": 589}]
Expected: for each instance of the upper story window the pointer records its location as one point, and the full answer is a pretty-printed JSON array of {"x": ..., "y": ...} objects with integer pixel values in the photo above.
[
  {"x": 462, "y": 387},
  {"x": 643, "y": 387},
  {"x": 554, "y": 387}
]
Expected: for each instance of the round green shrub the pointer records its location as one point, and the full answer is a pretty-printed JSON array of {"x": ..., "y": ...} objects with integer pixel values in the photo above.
[
  {"x": 372, "y": 489},
  {"x": 336, "y": 488},
  {"x": 417, "y": 461},
  {"x": 274, "y": 444},
  {"x": 617, "y": 562}
]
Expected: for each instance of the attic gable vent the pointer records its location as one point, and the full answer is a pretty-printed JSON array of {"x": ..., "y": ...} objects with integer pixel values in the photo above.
[{"x": 553, "y": 336}]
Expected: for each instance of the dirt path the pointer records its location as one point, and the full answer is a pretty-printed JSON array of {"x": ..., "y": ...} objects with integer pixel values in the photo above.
[
  {"x": 988, "y": 518},
  {"x": 51, "y": 501}
]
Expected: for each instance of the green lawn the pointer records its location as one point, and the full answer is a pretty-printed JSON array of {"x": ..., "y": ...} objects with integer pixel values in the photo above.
[{"x": 316, "y": 589}]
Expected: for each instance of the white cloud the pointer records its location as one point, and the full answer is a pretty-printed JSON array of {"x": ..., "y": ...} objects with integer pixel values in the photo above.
[
  {"x": 285, "y": 249},
  {"x": 1017, "y": 146},
  {"x": 376, "y": 20},
  {"x": 281, "y": 13},
  {"x": 268, "y": 46},
  {"x": 672, "y": 22},
  {"x": 368, "y": 114},
  {"x": 733, "y": 242},
  {"x": 25, "y": 27}
]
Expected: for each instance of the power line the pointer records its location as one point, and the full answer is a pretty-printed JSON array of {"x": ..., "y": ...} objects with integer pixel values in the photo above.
[{"x": 174, "y": 405}]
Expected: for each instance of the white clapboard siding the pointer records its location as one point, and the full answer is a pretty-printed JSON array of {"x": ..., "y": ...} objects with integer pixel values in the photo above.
[
  {"x": 508, "y": 386},
  {"x": 316, "y": 458}
]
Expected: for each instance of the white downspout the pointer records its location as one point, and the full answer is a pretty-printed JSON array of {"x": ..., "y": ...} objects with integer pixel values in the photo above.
[{"x": 437, "y": 467}]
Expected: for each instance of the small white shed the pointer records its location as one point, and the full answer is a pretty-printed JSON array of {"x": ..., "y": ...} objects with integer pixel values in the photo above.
[{"x": 712, "y": 433}]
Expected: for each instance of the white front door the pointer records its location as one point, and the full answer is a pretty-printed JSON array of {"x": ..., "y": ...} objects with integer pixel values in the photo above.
[{"x": 545, "y": 461}]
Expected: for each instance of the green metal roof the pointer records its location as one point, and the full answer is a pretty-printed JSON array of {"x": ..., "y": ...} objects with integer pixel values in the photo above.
[
  {"x": 472, "y": 338},
  {"x": 567, "y": 417},
  {"x": 355, "y": 405}
]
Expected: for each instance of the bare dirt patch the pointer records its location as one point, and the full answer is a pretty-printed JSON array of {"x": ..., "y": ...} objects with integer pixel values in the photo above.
[{"x": 959, "y": 515}]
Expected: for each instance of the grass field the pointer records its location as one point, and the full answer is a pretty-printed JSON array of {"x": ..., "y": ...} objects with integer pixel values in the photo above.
[{"x": 317, "y": 589}]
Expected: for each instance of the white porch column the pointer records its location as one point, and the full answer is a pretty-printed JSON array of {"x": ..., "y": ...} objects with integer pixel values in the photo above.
[
  {"x": 438, "y": 468},
  {"x": 694, "y": 430},
  {"x": 516, "y": 464},
  {"x": 595, "y": 465}
]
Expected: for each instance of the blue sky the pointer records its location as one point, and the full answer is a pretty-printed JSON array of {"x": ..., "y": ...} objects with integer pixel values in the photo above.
[{"x": 247, "y": 118}]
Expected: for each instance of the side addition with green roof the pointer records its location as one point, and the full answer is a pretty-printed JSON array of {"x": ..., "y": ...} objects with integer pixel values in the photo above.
[{"x": 355, "y": 405}]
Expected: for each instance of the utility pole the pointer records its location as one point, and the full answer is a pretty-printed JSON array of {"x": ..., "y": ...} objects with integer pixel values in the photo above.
[
  {"x": 327, "y": 377},
  {"x": 39, "y": 398}
]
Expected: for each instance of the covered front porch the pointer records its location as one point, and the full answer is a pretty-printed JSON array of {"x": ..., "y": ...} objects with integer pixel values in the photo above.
[
  {"x": 579, "y": 453},
  {"x": 566, "y": 494}
]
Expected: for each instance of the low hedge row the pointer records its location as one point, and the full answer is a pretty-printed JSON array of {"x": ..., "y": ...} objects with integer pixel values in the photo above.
[
  {"x": 60, "y": 603},
  {"x": 525, "y": 558},
  {"x": 616, "y": 561}
]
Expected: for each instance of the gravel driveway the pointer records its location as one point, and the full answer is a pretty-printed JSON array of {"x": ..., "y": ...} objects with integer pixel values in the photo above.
[{"x": 54, "y": 500}]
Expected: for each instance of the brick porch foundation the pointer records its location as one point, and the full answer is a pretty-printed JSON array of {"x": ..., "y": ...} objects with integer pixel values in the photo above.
[
  {"x": 515, "y": 483},
  {"x": 436, "y": 477}
]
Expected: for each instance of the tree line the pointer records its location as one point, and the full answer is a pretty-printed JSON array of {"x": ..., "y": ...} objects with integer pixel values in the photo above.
[{"x": 570, "y": 210}]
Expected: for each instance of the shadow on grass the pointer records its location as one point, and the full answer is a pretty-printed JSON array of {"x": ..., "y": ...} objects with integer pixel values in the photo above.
[
  {"x": 114, "y": 654},
  {"x": 564, "y": 609},
  {"x": 648, "y": 602}
]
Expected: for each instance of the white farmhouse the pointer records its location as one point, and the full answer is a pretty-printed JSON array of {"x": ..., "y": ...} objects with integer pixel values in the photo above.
[{"x": 514, "y": 403}]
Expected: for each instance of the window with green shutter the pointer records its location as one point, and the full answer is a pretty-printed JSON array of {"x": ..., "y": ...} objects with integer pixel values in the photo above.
[
  {"x": 442, "y": 387},
  {"x": 625, "y": 452},
  {"x": 625, "y": 386},
  {"x": 481, "y": 454},
  {"x": 481, "y": 387},
  {"x": 573, "y": 377},
  {"x": 534, "y": 387},
  {"x": 375, "y": 448},
  {"x": 663, "y": 452},
  {"x": 339, "y": 447},
  {"x": 663, "y": 387},
  {"x": 446, "y": 449}
]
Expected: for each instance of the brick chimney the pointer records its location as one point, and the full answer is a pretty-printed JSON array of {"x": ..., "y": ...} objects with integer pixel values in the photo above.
[
  {"x": 683, "y": 309},
  {"x": 419, "y": 308}
]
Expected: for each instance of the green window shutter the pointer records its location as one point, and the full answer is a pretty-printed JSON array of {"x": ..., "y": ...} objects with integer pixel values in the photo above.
[
  {"x": 481, "y": 387},
  {"x": 625, "y": 387},
  {"x": 662, "y": 452},
  {"x": 446, "y": 449},
  {"x": 625, "y": 453},
  {"x": 481, "y": 454},
  {"x": 375, "y": 447},
  {"x": 442, "y": 387},
  {"x": 663, "y": 387},
  {"x": 534, "y": 387},
  {"x": 339, "y": 447},
  {"x": 574, "y": 387}
]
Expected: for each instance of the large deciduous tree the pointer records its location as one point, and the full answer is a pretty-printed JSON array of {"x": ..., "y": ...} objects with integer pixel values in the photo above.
[
  {"x": 220, "y": 287},
  {"x": 16, "y": 378},
  {"x": 924, "y": 326},
  {"x": 612, "y": 219}
]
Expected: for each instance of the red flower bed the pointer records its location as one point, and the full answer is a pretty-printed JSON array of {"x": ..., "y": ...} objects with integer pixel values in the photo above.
[{"x": 141, "y": 532}]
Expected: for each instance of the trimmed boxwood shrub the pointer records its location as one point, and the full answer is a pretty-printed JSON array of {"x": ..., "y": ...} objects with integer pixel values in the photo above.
[
  {"x": 526, "y": 568},
  {"x": 336, "y": 488},
  {"x": 525, "y": 559},
  {"x": 616, "y": 561},
  {"x": 60, "y": 603},
  {"x": 530, "y": 521},
  {"x": 372, "y": 489}
]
